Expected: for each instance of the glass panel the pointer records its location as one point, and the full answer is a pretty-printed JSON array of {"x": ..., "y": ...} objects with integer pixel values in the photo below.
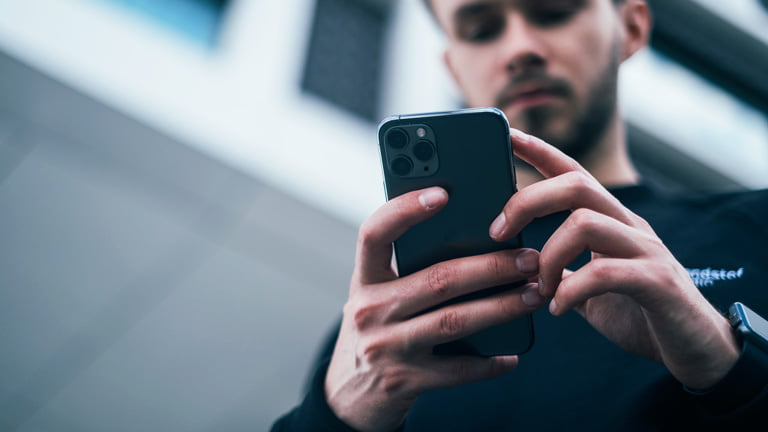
[
  {"x": 749, "y": 15},
  {"x": 344, "y": 61},
  {"x": 700, "y": 119},
  {"x": 197, "y": 19}
]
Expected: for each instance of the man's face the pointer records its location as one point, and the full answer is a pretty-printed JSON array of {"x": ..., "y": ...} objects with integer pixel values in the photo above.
[{"x": 550, "y": 65}]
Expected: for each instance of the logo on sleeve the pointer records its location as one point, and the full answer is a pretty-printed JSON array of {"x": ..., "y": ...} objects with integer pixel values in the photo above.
[{"x": 708, "y": 276}]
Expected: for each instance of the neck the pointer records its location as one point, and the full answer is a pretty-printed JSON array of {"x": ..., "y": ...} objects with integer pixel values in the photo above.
[{"x": 608, "y": 161}]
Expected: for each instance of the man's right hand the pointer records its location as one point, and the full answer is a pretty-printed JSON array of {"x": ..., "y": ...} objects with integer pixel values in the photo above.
[{"x": 383, "y": 356}]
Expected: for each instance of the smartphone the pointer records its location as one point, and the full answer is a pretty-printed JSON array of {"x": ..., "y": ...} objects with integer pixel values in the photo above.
[{"x": 468, "y": 152}]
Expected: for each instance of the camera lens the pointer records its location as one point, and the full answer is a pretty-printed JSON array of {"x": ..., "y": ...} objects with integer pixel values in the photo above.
[
  {"x": 423, "y": 151},
  {"x": 401, "y": 166},
  {"x": 397, "y": 138}
]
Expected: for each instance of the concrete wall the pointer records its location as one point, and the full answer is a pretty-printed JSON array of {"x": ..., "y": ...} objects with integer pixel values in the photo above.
[{"x": 143, "y": 285}]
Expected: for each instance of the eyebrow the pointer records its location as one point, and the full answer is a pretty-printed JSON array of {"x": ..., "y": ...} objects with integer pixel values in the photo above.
[{"x": 472, "y": 9}]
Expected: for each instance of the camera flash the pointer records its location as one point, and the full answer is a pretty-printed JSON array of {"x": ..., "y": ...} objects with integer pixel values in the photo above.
[{"x": 420, "y": 132}]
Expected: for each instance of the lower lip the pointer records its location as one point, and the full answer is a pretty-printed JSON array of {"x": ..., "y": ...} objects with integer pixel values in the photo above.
[{"x": 532, "y": 100}]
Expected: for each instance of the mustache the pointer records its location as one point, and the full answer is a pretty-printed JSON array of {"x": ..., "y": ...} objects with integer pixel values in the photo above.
[{"x": 513, "y": 88}]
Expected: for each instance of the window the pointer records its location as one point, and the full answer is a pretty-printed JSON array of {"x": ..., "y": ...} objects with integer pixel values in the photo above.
[
  {"x": 343, "y": 64},
  {"x": 198, "y": 20}
]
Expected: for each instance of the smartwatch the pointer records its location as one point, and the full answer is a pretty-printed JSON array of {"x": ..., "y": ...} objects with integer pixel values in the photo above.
[
  {"x": 747, "y": 381},
  {"x": 750, "y": 327}
]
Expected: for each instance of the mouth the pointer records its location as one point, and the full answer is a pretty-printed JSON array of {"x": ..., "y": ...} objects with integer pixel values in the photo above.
[{"x": 529, "y": 96}]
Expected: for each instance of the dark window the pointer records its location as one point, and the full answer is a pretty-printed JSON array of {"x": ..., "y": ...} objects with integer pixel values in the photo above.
[{"x": 344, "y": 61}]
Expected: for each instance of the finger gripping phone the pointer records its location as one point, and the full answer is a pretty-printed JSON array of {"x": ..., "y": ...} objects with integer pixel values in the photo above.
[{"x": 468, "y": 153}]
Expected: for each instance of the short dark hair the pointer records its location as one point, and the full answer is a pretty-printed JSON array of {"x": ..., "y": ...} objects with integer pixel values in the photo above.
[{"x": 428, "y": 5}]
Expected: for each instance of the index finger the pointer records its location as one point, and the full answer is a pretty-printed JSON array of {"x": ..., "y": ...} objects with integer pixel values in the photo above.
[
  {"x": 374, "y": 241},
  {"x": 547, "y": 159}
]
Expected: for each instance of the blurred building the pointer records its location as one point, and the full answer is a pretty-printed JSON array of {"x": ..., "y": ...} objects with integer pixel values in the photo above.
[{"x": 181, "y": 182}]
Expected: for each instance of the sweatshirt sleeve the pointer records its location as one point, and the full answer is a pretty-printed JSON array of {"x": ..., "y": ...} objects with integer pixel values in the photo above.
[
  {"x": 743, "y": 392},
  {"x": 313, "y": 414}
]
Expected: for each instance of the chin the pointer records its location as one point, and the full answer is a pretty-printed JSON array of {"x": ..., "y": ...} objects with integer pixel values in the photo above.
[{"x": 547, "y": 123}]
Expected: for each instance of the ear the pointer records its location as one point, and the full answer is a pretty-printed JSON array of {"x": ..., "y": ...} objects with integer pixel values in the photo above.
[{"x": 636, "y": 22}]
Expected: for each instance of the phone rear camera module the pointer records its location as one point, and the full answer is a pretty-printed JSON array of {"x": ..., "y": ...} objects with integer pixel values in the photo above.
[
  {"x": 401, "y": 166},
  {"x": 423, "y": 150},
  {"x": 397, "y": 138}
]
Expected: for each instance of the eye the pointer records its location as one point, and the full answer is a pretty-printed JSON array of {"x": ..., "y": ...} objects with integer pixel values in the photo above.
[
  {"x": 485, "y": 29},
  {"x": 480, "y": 22},
  {"x": 552, "y": 18},
  {"x": 553, "y": 13}
]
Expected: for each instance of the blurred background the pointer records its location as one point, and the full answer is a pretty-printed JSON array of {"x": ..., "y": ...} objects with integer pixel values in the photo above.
[{"x": 181, "y": 182}]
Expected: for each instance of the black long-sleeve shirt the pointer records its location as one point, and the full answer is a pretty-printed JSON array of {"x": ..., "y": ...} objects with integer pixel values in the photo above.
[{"x": 575, "y": 379}]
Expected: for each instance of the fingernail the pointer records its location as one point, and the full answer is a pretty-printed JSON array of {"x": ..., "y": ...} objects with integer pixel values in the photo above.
[
  {"x": 527, "y": 261},
  {"x": 431, "y": 198},
  {"x": 497, "y": 227},
  {"x": 506, "y": 363},
  {"x": 518, "y": 134},
  {"x": 531, "y": 297},
  {"x": 553, "y": 307}
]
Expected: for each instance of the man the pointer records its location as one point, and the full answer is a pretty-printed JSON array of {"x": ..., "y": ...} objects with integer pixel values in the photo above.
[{"x": 628, "y": 341}]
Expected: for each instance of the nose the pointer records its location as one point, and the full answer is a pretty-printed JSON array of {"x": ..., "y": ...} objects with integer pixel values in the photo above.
[{"x": 523, "y": 46}]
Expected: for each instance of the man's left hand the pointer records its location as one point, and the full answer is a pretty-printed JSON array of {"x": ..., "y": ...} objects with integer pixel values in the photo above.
[{"x": 633, "y": 290}]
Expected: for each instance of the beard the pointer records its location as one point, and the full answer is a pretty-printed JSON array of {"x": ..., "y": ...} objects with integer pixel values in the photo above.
[{"x": 583, "y": 130}]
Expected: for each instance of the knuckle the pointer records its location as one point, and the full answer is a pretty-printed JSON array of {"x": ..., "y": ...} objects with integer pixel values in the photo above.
[
  {"x": 350, "y": 308},
  {"x": 463, "y": 371},
  {"x": 403, "y": 208},
  {"x": 547, "y": 259},
  {"x": 373, "y": 351},
  {"x": 439, "y": 279},
  {"x": 364, "y": 316},
  {"x": 585, "y": 219},
  {"x": 366, "y": 235},
  {"x": 656, "y": 242},
  {"x": 579, "y": 180},
  {"x": 601, "y": 270},
  {"x": 661, "y": 275},
  {"x": 452, "y": 323},
  {"x": 522, "y": 200},
  {"x": 642, "y": 223},
  {"x": 496, "y": 265},
  {"x": 506, "y": 306},
  {"x": 402, "y": 291},
  {"x": 401, "y": 205},
  {"x": 395, "y": 381}
]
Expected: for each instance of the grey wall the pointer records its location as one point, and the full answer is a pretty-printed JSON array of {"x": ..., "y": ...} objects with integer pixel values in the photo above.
[{"x": 144, "y": 286}]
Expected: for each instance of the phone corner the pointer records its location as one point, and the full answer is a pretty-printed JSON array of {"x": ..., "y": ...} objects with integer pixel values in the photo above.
[{"x": 386, "y": 120}]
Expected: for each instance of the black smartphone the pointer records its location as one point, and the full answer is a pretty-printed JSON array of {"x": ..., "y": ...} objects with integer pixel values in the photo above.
[{"x": 468, "y": 152}]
